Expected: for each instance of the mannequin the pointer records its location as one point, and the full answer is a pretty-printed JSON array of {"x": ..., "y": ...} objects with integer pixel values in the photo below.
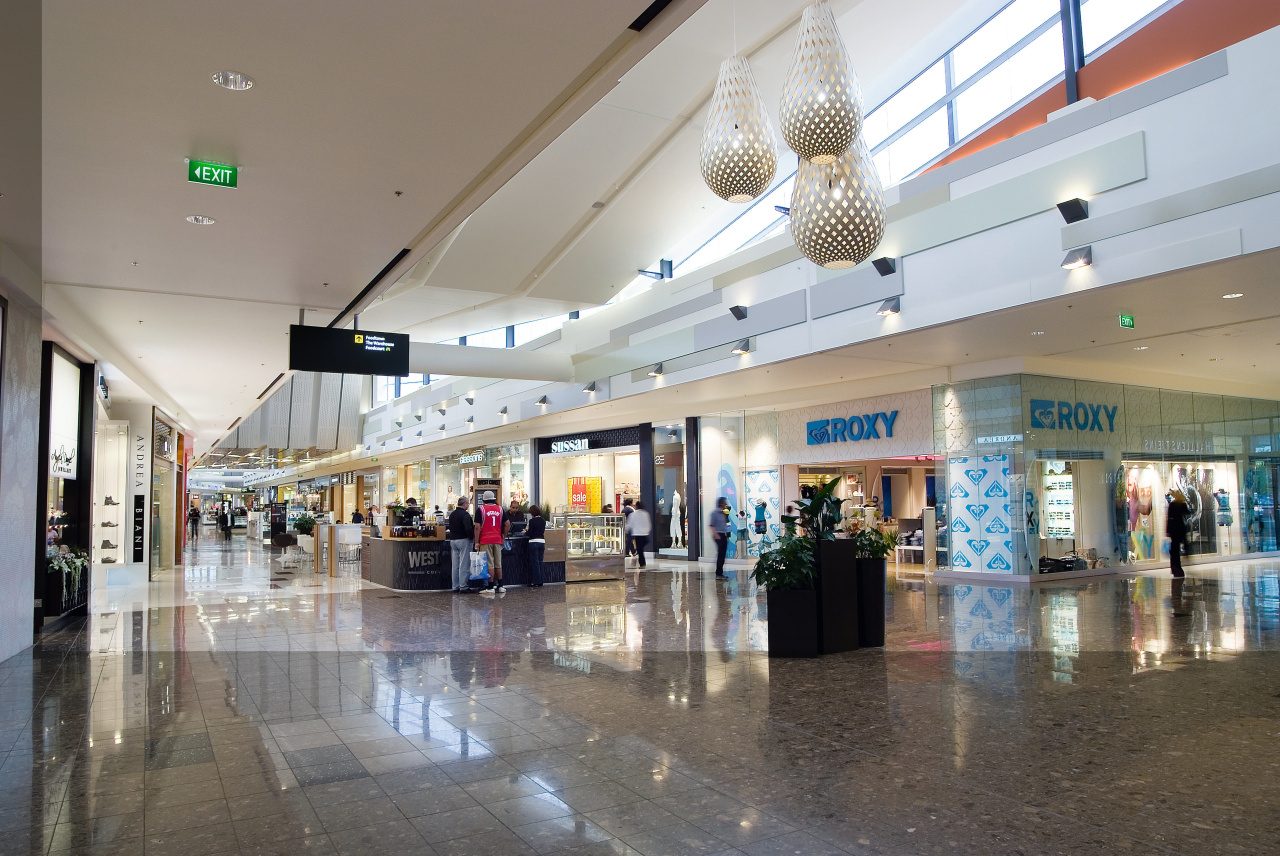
[{"x": 676, "y": 530}]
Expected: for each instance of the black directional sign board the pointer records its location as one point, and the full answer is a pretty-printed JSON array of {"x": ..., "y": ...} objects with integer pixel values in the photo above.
[{"x": 326, "y": 349}]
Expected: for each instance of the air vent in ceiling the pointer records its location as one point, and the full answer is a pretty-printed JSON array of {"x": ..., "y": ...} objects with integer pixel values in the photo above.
[{"x": 655, "y": 9}]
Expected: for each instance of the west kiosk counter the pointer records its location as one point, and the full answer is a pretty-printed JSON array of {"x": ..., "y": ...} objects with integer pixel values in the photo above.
[{"x": 424, "y": 562}]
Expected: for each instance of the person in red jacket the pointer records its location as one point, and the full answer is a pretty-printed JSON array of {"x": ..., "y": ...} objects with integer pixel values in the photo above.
[{"x": 490, "y": 530}]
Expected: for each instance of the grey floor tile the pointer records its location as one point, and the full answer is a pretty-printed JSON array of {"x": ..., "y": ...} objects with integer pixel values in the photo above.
[
  {"x": 459, "y": 823},
  {"x": 174, "y": 818},
  {"x": 164, "y": 760},
  {"x": 323, "y": 774},
  {"x": 503, "y": 788},
  {"x": 791, "y": 844},
  {"x": 682, "y": 840},
  {"x": 331, "y": 793},
  {"x": 529, "y": 809},
  {"x": 397, "y": 838},
  {"x": 200, "y": 841},
  {"x": 350, "y": 815},
  {"x": 433, "y": 800},
  {"x": 631, "y": 818},
  {"x": 278, "y": 827},
  {"x": 503, "y": 843},
  {"x": 561, "y": 833},
  {"x": 586, "y": 798}
]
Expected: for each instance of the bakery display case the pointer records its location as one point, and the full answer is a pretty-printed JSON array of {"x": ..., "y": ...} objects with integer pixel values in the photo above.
[{"x": 594, "y": 545}]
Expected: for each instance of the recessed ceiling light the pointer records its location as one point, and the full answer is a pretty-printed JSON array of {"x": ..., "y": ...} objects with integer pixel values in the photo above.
[
  {"x": 233, "y": 80},
  {"x": 1140, "y": 347},
  {"x": 1233, "y": 295},
  {"x": 1037, "y": 332},
  {"x": 200, "y": 220}
]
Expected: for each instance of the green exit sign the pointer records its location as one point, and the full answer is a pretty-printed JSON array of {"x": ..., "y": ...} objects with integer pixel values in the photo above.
[
  {"x": 217, "y": 174},
  {"x": 1126, "y": 321}
]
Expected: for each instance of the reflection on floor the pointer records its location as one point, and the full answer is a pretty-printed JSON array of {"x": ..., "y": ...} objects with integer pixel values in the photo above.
[{"x": 238, "y": 706}]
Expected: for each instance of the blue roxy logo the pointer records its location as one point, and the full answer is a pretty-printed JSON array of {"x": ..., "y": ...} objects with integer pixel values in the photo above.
[
  {"x": 865, "y": 427},
  {"x": 1067, "y": 416}
]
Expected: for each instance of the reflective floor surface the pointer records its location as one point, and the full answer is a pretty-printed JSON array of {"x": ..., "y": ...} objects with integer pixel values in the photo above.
[{"x": 238, "y": 706}]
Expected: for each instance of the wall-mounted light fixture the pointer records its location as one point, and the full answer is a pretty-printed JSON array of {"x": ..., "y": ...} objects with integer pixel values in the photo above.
[
  {"x": 1074, "y": 210},
  {"x": 591, "y": 387},
  {"x": 743, "y": 347},
  {"x": 1078, "y": 258},
  {"x": 442, "y": 426},
  {"x": 885, "y": 265},
  {"x": 656, "y": 371},
  {"x": 441, "y": 410},
  {"x": 503, "y": 411},
  {"x": 739, "y": 312},
  {"x": 418, "y": 416},
  {"x": 783, "y": 210},
  {"x": 399, "y": 423},
  {"x": 891, "y": 306},
  {"x": 469, "y": 400},
  {"x": 542, "y": 401},
  {"x": 471, "y": 420}
]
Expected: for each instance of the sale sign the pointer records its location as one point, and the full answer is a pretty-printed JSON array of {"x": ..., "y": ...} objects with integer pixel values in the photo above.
[{"x": 585, "y": 493}]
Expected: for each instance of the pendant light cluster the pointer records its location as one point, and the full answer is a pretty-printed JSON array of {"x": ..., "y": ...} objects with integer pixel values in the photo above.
[{"x": 837, "y": 207}]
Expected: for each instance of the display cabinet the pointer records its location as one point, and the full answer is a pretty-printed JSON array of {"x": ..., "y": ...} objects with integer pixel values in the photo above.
[{"x": 594, "y": 545}]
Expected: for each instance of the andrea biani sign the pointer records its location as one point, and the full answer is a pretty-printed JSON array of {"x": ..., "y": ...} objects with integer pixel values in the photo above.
[
  {"x": 327, "y": 349},
  {"x": 139, "y": 527},
  {"x": 856, "y": 427}
]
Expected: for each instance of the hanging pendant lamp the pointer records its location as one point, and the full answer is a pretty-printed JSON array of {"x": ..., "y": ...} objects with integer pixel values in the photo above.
[
  {"x": 837, "y": 210},
  {"x": 821, "y": 111},
  {"x": 739, "y": 152}
]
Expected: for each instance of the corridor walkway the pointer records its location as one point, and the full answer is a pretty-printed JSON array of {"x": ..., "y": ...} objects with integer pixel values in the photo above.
[{"x": 235, "y": 706}]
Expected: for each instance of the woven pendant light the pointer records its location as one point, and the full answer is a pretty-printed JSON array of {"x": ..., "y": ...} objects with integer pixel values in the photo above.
[
  {"x": 821, "y": 102},
  {"x": 739, "y": 152},
  {"x": 837, "y": 210}
]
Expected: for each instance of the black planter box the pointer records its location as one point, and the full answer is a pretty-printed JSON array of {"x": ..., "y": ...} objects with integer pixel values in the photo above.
[
  {"x": 838, "y": 595},
  {"x": 871, "y": 589},
  {"x": 793, "y": 623}
]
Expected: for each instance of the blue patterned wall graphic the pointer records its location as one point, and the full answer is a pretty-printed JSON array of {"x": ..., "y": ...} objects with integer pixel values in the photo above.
[
  {"x": 763, "y": 485},
  {"x": 980, "y": 522}
]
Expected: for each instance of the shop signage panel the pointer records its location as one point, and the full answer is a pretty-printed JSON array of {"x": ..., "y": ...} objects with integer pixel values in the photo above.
[
  {"x": 851, "y": 429},
  {"x": 139, "y": 526},
  {"x": 216, "y": 174},
  {"x": 884, "y": 426},
  {"x": 326, "y": 349},
  {"x": 578, "y": 444},
  {"x": 64, "y": 418},
  {"x": 585, "y": 493},
  {"x": 1050, "y": 415},
  {"x": 471, "y": 457}
]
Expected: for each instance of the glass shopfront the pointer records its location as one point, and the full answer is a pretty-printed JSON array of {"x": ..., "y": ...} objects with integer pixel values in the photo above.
[
  {"x": 670, "y": 512},
  {"x": 503, "y": 468},
  {"x": 1039, "y": 468},
  {"x": 595, "y": 472}
]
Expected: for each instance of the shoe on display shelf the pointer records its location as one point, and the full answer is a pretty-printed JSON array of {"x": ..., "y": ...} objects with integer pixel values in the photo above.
[
  {"x": 107, "y": 545},
  {"x": 110, "y": 501}
]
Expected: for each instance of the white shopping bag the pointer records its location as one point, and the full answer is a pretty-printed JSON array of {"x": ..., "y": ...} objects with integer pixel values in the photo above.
[{"x": 479, "y": 566}]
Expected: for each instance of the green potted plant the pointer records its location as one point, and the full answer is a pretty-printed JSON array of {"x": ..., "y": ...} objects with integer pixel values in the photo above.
[
  {"x": 872, "y": 548},
  {"x": 305, "y": 524},
  {"x": 395, "y": 512},
  {"x": 809, "y": 579}
]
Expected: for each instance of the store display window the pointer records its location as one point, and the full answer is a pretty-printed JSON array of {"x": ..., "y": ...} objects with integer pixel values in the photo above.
[
  {"x": 1090, "y": 469},
  {"x": 670, "y": 514},
  {"x": 723, "y": 458}
]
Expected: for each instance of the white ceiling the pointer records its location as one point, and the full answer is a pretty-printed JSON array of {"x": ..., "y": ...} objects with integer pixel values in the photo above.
[
  {"x": 637, "y": 153},
  {"x": 353, "y": 102}
]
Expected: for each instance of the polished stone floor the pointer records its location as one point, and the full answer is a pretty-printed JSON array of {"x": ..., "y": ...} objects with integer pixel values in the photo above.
[{"x": 238, "y": 706}]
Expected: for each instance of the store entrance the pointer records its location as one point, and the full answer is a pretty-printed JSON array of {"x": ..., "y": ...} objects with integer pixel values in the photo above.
[{"x": 891, "y": 494}]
